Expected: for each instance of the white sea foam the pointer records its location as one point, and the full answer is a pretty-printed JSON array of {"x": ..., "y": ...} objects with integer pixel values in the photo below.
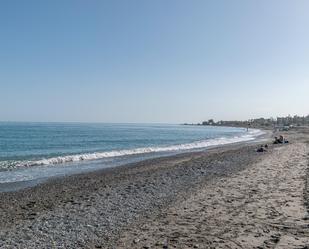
[{"x": 252, "y": 134}]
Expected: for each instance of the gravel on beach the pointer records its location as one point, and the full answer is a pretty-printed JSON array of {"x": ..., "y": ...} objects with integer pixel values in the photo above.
[{"x": 132, "y": 206}]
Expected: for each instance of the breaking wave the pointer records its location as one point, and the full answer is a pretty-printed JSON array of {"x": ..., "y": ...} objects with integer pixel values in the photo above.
[{"x": 251, "y": 135}]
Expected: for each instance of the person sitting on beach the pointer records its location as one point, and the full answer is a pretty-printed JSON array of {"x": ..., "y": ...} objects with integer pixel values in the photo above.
[
  {"x": 283, "y": 140},
  {"x": 280, "y": 140},
  {"x": 276, "y": 140},
  {"x": 262, "y": 149}
]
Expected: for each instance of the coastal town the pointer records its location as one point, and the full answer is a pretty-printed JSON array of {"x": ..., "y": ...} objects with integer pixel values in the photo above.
[{"x": 279, "y": 122}]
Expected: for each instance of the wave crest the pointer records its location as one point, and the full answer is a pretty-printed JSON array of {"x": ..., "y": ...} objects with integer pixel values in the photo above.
[{"x": 109, "y": 154}]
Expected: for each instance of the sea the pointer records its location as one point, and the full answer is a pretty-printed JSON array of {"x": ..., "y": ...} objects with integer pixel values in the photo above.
[{"x": 34, "y": 152}]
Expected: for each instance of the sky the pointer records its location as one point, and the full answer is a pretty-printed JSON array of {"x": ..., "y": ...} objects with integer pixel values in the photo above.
[{"x": 165, "y": 61}]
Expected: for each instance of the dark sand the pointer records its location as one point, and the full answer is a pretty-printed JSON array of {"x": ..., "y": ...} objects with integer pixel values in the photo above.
[{"x": 230, "y": 197}]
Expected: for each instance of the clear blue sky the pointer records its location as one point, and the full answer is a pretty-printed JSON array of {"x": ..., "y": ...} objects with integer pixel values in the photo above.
[{"x": 153, "y": 61}]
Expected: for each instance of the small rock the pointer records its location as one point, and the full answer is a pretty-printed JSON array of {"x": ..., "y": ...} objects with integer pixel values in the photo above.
[{"x": 135, "y": 241}]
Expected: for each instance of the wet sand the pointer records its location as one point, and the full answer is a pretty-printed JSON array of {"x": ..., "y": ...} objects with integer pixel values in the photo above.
[{"x": 230, "y": 197}]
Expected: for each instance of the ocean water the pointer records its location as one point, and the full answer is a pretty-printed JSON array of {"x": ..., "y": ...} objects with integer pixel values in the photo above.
[{"x": 34, "y": 151}]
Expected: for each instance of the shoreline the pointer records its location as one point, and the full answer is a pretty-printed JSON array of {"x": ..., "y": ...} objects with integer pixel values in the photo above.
[
  {"x": 262, "y": 206},
  {"x": 219, "y": 198},
  {"x": 20, "y": 185},
  {"x": 97, "y": 206}
]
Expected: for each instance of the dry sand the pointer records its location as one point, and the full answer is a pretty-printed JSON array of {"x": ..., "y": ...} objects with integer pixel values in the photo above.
[{"x": 260, "y": 207}]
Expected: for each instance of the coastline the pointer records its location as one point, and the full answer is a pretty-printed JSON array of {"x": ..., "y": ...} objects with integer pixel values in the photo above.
[
  {"x": 99, "y": 209},
  {"x": 263, "y": 206},
  {"x": 88, "y": 165}
]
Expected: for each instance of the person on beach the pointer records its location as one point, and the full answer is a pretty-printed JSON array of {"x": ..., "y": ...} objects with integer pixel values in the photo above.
[
  {"x": 248, "y": 125},
  {"x": 280, "y": 140},
  {"x": 262, "y": 149}
]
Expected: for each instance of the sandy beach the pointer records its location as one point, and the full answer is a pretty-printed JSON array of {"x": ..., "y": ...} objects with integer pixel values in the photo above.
[
  {"x": 154, "y": 124},
  {"x": 229, "y": 197},
  {"x": 263, "y": 206}
]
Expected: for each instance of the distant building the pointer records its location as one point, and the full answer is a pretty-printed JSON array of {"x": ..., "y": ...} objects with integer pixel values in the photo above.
[{"x": 263, "y": 122}]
